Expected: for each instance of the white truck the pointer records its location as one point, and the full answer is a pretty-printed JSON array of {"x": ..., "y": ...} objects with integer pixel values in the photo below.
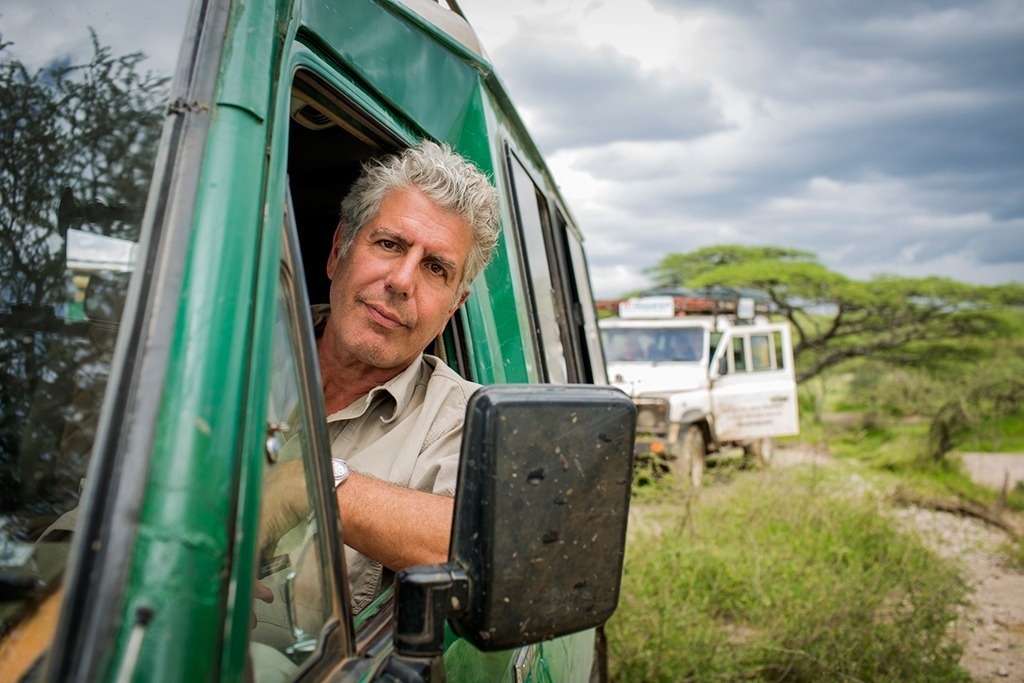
[{"x": 701, "y": 384}]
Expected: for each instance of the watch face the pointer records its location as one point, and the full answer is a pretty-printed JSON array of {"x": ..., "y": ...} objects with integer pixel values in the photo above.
[{"x": 340, "y": 471}]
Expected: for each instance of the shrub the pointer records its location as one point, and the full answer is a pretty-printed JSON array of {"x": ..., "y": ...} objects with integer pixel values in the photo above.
[{"x": 772, "y": 579}]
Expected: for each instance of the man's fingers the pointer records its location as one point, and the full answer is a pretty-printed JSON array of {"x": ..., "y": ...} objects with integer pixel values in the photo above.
[{"x": 261, "y": 592}]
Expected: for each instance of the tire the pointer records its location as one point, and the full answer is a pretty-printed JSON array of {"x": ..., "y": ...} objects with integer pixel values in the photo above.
[
  {"x": 760, "y": 452},
  {"x": 688, "y": 464}
]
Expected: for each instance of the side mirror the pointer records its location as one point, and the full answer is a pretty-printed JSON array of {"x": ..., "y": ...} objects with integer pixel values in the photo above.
[{"x": 539, "y": 533}]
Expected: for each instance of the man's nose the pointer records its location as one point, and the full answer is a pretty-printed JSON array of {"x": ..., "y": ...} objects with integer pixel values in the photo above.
[{"x": 402, "y": 278}]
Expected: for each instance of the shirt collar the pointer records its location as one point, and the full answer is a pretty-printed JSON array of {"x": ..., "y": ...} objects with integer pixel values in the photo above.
[{"x": 399, "y": 389}]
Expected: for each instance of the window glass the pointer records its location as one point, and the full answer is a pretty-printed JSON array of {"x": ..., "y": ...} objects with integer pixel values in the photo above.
[
  {"x": 779, "y": 361},
  {"x": 583, "y": 298},
  {"x": 668, "y": 344},
  {"x": 624, "y": 345},
  {"x": 82, "y": 105},
  {"x": 716, "y": 337},
  {"x": 760, "y": 352},
  {"x": 286, "y": 629},
  {"x": 739, "y": 358},
  {"x": 683, "y": 344},
  {"x": 532, "y": 212}
]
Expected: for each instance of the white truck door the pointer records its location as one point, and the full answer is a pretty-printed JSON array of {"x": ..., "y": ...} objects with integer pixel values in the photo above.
[{"x": 753, "y": 385}]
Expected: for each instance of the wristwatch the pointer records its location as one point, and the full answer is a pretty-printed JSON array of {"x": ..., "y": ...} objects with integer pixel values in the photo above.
[{"x": 340, "y": 471}]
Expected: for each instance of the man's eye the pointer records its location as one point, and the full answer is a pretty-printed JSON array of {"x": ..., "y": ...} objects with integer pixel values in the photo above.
[
  {"x": 388, "y": 244},
  {"x": 437, "y": 269}
]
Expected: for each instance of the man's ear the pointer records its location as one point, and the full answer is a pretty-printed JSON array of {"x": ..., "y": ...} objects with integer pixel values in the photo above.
[
  {"x": 335, "y": 255},
  {"x": 457, "y": 304}
]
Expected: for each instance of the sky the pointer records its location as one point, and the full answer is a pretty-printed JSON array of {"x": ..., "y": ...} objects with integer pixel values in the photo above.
[
  {"x": 884, "y": 136},
  {"x": 42, "y": 29}
]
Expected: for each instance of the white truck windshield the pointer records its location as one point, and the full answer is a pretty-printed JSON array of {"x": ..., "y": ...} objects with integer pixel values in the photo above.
[{"x": 679, "y": 344}]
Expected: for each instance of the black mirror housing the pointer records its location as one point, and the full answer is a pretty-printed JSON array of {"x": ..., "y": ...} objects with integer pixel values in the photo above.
[
  {"x": 541, "y": 510},
  {"x": 539, "y": 534}
]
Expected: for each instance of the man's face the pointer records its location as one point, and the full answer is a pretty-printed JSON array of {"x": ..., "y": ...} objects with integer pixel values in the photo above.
[{"x": 398, "y": 285}]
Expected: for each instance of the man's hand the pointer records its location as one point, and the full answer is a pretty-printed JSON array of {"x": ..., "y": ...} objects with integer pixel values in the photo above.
[
  {"x": 262, "y": 593},
  {"x": 284, "y": 503}
]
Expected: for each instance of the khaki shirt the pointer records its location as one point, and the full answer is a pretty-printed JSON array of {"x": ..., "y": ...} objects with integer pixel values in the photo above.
[{"x": 408, "y": 431}]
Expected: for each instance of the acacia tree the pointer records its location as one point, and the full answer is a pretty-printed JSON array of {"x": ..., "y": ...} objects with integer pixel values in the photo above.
[{"x": 912, "y": 320}]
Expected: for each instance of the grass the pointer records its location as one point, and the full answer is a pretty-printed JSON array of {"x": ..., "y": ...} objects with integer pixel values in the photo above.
[
  {"x": 998, "y": 435},
  {"x": 898, "y": 447},
  {"x": 801, "y": 574},
  {"x": 780, "y": 576}
]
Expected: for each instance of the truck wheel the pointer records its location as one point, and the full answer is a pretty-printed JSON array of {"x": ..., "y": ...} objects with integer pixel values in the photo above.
[
  {"x": 689, "y": 461},
  {"x": 760, "y": 452}
]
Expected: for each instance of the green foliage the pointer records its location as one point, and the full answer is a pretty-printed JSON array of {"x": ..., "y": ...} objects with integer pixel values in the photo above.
[
  {"x": 892, "y": 390},
  {"x": 917, "y": 321},
  {"x": 675, "y": 270},
  {"x": 993, "y": 399},
  {"x": 774, "y": 579},
  {"x": 899, "y": 449},
  {"x": 971, "y": 396},
  {"x": 994, "y": 435},
  {"x": 887, "y": 412}
]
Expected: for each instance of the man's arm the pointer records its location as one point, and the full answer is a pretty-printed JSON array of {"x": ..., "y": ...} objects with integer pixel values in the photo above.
[{"x": 397, "y": 526}]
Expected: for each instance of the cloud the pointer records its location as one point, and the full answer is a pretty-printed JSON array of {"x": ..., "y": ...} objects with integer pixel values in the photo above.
[
  {"x": 860, "y": 228},
  {"x": 598, "y": 96},
  {"x": 883, "y": 136},
  {"x": 582, "y": 96},
  {"x": 61, "y": 28}
]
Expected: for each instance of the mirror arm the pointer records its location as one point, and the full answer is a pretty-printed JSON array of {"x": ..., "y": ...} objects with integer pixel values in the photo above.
[{"x": 425, "y": 598}]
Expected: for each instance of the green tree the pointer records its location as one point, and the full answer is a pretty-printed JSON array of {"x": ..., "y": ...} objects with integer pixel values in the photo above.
[
  {"x": 920, "y": 321},
  {"x": 676, "y": 270}
]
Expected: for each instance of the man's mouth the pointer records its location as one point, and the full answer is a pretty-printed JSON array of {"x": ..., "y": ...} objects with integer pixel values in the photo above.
[{"x": 384, "y": 316}]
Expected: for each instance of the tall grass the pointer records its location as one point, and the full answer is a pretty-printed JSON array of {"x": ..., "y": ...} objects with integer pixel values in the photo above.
[
  {"x": 900, "y": 448},
  {"x": 781, "y": 577},
  {"x": 1004, "y": 434}
]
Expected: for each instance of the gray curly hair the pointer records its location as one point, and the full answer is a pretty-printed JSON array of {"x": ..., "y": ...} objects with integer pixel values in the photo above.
[{"x": 452, "y": 182}]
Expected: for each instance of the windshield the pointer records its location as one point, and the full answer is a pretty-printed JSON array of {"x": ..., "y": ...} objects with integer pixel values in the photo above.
[
  {"x": 680, "y": 344},
  {"x": 83, "y": 91}
]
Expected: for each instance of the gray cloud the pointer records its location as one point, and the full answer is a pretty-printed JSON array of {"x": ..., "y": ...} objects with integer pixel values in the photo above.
[
  {"x": 583, "y": 97},
  {"x": 61, "y": 28},
  {"x": 927, "y": 97}
]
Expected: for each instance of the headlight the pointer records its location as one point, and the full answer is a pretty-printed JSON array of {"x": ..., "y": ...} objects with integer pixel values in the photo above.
[{"x": 651, "y": 414}]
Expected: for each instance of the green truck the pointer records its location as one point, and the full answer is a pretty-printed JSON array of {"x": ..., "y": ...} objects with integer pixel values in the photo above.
[{"x": 169, "y": 187}]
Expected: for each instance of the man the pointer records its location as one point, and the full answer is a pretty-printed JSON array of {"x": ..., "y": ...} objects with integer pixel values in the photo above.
[{"x": 415, "y": 230}]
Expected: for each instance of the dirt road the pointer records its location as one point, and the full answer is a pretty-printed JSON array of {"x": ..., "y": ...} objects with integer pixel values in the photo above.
[
  {"x": 991, "y": 627},
  {"x": 995, "y": 468}
]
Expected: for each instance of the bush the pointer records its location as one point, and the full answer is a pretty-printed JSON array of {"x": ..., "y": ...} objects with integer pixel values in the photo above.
[
  {"x": 992, "y": 401},
  {"x": 772, "y": 579}
]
